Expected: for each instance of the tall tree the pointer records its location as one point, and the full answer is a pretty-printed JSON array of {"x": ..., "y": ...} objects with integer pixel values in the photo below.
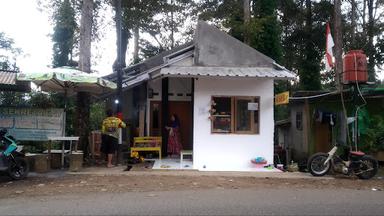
[
  {"x": 338, "y": 32},
  {"x": 63, "y": 34},
  {"x": 263, "y": 30},
  {"x": 268, "y": 38},
  {"x": 364, "y": 27},
  {"x": 247, "y": 19},
  {"x": 8, "y": 57},
  {"x": 156, "y": 21},
  {"x": 8, "y": 53},
  {"x": 303, "y": 39},
  {"x": 309, "y": 72},
  {"x": 83, "y": 98}
]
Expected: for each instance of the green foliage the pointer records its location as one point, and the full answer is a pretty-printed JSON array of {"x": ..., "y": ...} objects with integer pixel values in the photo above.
[
  {"x": 373, "y": 138},
  {"x": 8, "y": 53},
  {"x": 268, "y": 38},
  {"x": 97, "y": 115},
  {"x": 12, "y": 99},
  {"x": 167, "y": 23},
  {"x": 303, "y": 39},
  {"x": 64, "y": 34},
  {"x": 40, "y": 99},
  {"x": 264, "y": 28}
]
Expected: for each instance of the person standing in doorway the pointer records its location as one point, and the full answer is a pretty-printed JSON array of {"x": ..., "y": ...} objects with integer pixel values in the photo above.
[
  {"x": 174, "y": 144},
  {"x": 110, "y": 135}
]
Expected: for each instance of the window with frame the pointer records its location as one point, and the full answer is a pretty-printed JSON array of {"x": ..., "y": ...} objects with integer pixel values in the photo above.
[
  {"x": 233, "y": 114},
  {"x": 299, "y": 120}
]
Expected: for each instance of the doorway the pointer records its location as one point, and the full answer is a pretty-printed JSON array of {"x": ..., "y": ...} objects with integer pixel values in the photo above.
[
  {"x": 323, "y": 139},
  {"x": 183, "y": 109}
]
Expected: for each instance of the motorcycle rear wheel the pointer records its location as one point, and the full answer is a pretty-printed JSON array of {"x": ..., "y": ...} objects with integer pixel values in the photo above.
[
  {"x": 367, "y": 162},
  {"x": 18, "y": 169},
  {"x": 316, "y": 164}
]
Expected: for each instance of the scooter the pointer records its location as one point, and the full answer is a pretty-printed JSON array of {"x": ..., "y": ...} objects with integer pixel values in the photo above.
[
  {"x": 12, "y": 160},
  {"x": 349, "y": 162}
]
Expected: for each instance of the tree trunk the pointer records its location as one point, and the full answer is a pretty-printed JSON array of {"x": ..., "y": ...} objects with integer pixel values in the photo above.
[
  {"x": 309, "y": 68},
  {"x": 136, "y": 45},
  {"x": 86, "y": 35},
  {"x": 83, "y": 98},
  {"x": 172, "y": 27},
  {"x": 247, "y": 18},
  {"x": 125, "y": 36},
  {"x": 370, "y": 46},
  {"x": 353, "y": 24},
  {"x": 338, "y": 38}
]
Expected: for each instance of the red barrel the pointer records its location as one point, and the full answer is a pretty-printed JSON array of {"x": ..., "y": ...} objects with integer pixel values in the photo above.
[{"x": 355, "y": 67}]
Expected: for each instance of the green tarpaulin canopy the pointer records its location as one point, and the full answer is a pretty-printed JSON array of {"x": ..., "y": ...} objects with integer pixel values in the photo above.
[{"x": 68, "y": 80}]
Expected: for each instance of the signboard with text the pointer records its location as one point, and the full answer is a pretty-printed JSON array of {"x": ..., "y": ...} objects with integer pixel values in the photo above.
[{"x": 32, "y": 124}]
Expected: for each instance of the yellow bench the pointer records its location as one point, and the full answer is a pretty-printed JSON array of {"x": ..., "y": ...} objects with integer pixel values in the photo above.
[{"x": 146, "y": 144}]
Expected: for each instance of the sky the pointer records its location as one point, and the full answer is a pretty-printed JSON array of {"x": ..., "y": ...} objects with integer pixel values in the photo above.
[{"x": 31, "y": 29}]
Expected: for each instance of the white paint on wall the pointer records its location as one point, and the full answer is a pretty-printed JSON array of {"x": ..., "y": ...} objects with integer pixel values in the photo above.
[
  {"x": 231, "y": 152},
  {"x": 176, "y": 86}
]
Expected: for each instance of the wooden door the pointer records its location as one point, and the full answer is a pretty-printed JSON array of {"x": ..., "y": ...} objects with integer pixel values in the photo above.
[
  {"x": 322, "y": 137},
  {"x": 183, "y": 109}
]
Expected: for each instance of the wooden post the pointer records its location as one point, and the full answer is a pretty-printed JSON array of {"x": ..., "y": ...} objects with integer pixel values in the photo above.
[
  {"x": 164, "y": 114},
  {"x": 193, "y": 105}
]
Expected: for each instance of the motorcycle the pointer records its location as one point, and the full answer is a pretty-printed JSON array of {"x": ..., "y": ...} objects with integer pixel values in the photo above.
[
  {"x": 12, "y": 160},
  {"x": 358, "y": 163},
  {"x": 348, "y": 162}
]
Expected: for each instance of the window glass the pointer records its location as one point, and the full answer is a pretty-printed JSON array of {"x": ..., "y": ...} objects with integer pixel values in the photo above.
[
  {"x": 235, "y": 114},
  {"x": 299, "y": 121},
  {"x": 243, "y": 115},
  {"x": 256, "y": 116},
  {"x": 221, "y": 114}
]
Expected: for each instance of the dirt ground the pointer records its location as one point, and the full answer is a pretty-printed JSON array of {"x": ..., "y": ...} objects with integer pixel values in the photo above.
[{"x": 74, "y": 184}]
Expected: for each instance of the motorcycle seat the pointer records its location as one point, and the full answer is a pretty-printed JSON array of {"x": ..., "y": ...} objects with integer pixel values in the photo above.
[{"x": 357, "y": 153}]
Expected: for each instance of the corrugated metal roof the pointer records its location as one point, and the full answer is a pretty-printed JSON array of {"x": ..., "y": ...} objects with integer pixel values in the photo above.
[
  {"x": 7, "y": 78},
  {"x": 257, "y": 72}
]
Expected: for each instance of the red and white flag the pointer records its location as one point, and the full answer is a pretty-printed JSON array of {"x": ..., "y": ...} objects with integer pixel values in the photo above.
[{"x": 329, "y": 63}]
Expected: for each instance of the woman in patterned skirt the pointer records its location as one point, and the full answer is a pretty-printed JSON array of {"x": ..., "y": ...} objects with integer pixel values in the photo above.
[{"x": 174, "y": 144}]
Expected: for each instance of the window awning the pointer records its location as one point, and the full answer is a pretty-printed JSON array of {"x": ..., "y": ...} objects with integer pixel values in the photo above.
[{"x": 256, "y": 72}]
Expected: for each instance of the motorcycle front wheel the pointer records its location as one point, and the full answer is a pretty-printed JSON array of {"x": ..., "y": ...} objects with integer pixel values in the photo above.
[
  {"x": 18, "y": 169},
  {"x": 368, "y": 167},
  {"x": 317, "y": 165}
]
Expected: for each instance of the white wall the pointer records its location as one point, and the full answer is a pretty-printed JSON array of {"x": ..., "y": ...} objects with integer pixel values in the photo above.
[
  {"x": 176, "y": 86},
  {"x": 231, "y": 152}
]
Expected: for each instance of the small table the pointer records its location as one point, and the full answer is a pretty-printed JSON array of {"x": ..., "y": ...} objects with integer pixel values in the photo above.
[
  {"x": 184, "y": 152},
  {"x": 70, "y": 139}
]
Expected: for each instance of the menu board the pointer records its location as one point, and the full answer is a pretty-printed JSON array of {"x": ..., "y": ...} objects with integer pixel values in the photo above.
[{"x": 31, "y": 124}]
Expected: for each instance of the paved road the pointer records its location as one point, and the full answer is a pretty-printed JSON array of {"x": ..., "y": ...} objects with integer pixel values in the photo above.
[{"x": 204, "y": 202}]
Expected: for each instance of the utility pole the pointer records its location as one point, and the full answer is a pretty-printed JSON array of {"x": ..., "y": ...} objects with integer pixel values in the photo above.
[
  {"x": 119, "y": 60},
  {"x": 338, "y": 44},
  {"x": 119, "y": 71}
]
